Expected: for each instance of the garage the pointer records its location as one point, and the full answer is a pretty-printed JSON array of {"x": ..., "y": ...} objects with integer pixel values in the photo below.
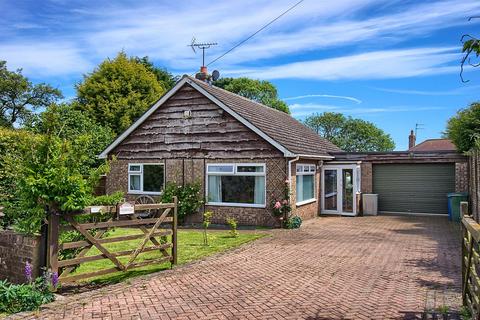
[{"x": 413, "y": 188}]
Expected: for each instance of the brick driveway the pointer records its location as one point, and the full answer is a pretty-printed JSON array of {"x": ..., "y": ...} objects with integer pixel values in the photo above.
[{"x": 333, "y": 268}]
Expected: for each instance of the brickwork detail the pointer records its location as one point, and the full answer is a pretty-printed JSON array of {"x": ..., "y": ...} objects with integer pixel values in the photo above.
[
  {"x": 189, "y": 170},
  {"x": 366, "y": 183},
  {"x": 332, "y": 268},
  {"x": 461, "y": 177},
  {"x": 310, "y": 210},
  {"x": 15, "y": 251}
]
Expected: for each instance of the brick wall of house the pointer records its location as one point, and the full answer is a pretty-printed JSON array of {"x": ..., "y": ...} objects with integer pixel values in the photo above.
[
  {"x": 461, "y": 177},
  {"x": 181, "y": 171},
  {"x": 15, "y": 251},
  {"x": 310, "y": 210},
  {"x": 366, "y": 184}
]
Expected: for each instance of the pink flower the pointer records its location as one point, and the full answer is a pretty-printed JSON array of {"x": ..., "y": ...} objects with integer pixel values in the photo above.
[
  {"x": 277, "y": 205},
  {"x": 287, "y": 181},
  {"x": 285, "y": 201}
]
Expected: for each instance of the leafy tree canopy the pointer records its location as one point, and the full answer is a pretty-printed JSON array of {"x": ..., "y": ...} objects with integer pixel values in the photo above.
[
  {"x": 118, "y": 92},
  {"x": 464, "y": 127},
  {"x": 66, "y": 122},
  {"x": 349, "y": 134},
  {"x": 257, "y": 90},
  {"x": 19, "y": 97},
  {"x": 163, "y": 76}
]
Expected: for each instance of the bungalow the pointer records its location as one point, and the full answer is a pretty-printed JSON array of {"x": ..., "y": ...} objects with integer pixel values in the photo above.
[
  {"x": 241, "y": 152},
  {"x": 244, "y": 155}
]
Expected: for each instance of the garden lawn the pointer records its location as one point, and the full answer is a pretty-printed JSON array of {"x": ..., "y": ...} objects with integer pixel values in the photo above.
[{"x": 190, "y": 247}]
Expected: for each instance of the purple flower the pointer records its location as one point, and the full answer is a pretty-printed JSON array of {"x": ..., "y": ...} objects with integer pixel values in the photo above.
[
  {"x": 28, "y": 271},
  {"x": 54, "y": 279}
]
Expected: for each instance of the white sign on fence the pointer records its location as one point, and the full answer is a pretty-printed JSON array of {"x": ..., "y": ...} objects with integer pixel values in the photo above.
[{"x": 126, "y": 208}]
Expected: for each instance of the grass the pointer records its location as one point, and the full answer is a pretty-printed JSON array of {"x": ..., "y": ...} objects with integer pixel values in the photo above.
[{"x": 190, "y": 247}]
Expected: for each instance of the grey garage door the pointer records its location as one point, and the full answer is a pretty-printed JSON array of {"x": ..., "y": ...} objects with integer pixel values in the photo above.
[{"x": 418, "y": 188}]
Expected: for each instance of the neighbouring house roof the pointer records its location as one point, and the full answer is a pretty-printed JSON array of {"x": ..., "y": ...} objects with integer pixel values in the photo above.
[
  {"x": 434, "y": 145},
  {"x": 278, "y": 128}
]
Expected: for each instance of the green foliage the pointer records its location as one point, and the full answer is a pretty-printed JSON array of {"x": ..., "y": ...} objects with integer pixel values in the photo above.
[
  {"x": 464, "y": 127},
  {"x": 293, "y": 222},
  {"x": 118, "y": 92},
  {"x": 24, "y": 297},
  {"x": 19, "y": 97},
  {"x": 11, "y": 144},
  {"x": 232, "y": 223},
  {"x": 261, "y": 91},
  {"x": 66, "y": 122},
  {"x": 189, "y": 198},
  {"x": 167, "y": 79},
  {"x": 108, "y": 199},
  {"x": 52, "y": 175},
  {"x": 349, "y": 134},
  {"x": 207, "y": 217}
]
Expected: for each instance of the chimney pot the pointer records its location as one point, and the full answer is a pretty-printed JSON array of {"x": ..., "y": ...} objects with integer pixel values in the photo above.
[{"x": 411, "y": 140}]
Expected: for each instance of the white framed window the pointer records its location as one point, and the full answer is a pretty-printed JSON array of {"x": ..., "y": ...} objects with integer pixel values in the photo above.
[
  {"x": 146, "y": 178},
  {"x": 236, "y": 184},
  {"x": 305, "y": 183}
]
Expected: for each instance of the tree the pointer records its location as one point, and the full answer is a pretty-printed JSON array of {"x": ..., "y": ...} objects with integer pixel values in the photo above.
[
  {"x": 163, "y": 76},
  {"x": 260, "y": 91},
  {"x": 349, "y": 134},
  {"x": 66, "y": 122},
  {"x": 464, "y": 127},
  {"x": 471, "y": 46},
  {"x": 19, "y": 97},
  {"x": 118, "y": 92}
]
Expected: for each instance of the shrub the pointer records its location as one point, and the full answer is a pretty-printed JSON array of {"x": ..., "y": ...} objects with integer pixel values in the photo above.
[
  {"x": 26, "y": 297},
  {"x": 108, "y": 199},
  {"x": 189, "y": 198},
  {"x": 232, "y": 223},
  {"x": 293, "y": 222}
]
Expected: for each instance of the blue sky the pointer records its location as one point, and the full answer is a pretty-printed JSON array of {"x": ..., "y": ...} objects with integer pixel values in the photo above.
[{"x": 394, "y": 63}]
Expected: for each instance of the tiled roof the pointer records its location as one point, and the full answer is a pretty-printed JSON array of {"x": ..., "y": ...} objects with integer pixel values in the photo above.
[
  {"x": 435, "y": 145},
  {"x": 281, "y": 127}
]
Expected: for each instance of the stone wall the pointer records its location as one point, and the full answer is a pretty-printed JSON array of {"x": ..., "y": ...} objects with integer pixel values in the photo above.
[{"x": 15, "y": 251}]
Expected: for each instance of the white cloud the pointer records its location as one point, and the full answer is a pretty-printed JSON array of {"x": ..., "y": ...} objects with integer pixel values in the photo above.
[
  {"x": 402, "y": 63},
  {"x": 307, "y": 96},
  {"x": 450, "y": 92},
  {"x": 45, "y": 59},
  {"x": 303, "y": 110},
  {"x": 91, "y": 31}
]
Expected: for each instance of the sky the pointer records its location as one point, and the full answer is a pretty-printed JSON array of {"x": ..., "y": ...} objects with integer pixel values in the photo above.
[{"x": 395, "y": 63}]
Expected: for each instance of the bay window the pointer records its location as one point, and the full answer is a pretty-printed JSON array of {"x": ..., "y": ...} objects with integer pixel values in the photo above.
[
  {"x": 146, "y": 178},
  {"x": 241, "y": 184},
  {"x": 305, "y": 189}
]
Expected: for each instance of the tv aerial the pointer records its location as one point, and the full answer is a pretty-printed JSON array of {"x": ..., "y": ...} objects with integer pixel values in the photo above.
[{"x": 202, "y": 46}]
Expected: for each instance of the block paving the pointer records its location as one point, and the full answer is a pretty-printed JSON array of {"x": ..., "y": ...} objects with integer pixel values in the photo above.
[{"x": 332, "y": 268}]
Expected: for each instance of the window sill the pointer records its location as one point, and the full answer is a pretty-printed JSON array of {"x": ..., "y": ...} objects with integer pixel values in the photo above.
[
  {"x": 241, "y": 205},
  {"x": 301, "y": 203}
]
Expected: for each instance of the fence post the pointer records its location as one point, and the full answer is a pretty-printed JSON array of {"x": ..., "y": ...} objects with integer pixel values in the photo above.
[
  {"x": 53, "y": 226},
  {"x": 174, "y": 231}
]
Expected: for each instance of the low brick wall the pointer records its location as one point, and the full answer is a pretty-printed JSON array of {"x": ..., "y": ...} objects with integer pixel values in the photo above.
[{"x": 15, "y": 251}]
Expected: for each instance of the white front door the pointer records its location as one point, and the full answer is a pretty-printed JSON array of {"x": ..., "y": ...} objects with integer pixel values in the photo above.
[{"x": 340, "y": 184}]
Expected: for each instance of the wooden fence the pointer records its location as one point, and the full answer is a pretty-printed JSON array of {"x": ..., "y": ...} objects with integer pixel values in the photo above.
[
  {"x": 474, "y": 183},
  {"x": 92, "y": 232},
  {"x": 471, "y": 265}
]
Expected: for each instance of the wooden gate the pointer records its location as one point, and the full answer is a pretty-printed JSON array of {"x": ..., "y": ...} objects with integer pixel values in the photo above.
[
  {"x": 471, "y": 266},
  {"x": 160, "y": 223}
]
